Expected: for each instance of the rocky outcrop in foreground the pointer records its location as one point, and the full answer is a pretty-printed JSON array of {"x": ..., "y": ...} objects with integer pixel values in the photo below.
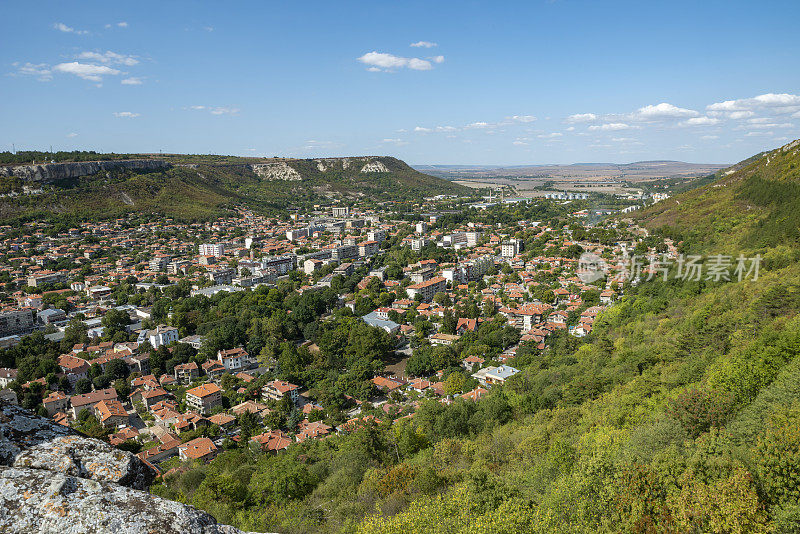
[
  {"x": 51, "y": 172},
  {"x": 54, "y": 480}
]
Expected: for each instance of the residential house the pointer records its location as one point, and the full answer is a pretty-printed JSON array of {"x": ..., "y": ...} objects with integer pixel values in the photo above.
[
  {"x": 88, "y": 401},
  {"x": 186, "y": 372},
  {"x": 277, "y": 389},
  {"x": 111, "y": 413},
  {"x": 234, "y": 359},
  {"x": 56, "y": 402},
  {"x": 204, "y": 398},
  {"x": 202, "y": 449}
]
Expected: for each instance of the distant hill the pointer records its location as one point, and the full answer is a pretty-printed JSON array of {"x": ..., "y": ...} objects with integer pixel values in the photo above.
[
  {"x": 195, "y": 187},
  {"x": 753, "y": 204},
  {"x": 632, "y": 172}
]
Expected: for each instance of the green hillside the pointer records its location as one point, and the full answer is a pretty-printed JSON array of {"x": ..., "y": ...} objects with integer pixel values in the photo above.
[
  {"x": 202, "y": 187},
  {"x": 754, "y": 204},
  {"x": 679, "y": 413}
]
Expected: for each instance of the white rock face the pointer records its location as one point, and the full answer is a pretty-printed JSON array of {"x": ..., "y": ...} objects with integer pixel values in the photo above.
[
  {"x": 276, "y": 171},
  {"x": 374, "y": 166},
  {"x": 59, "y": 171}
]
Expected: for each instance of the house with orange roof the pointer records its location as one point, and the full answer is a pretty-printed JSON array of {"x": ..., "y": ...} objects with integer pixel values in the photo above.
[
  {"x": 222, "y": 420},
  {"x": 272, "y": 441},
  {"x": 277, "y": 389},
  {"x": 204, "y": 398},
  {"x": 315, "y": 430},
  {"x": 111, "y": 413}
]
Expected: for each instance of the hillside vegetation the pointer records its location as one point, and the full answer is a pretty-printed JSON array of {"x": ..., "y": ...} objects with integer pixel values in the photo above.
[
  {"x": 203, "y": 187},
  {"x": 679, "y": 413}
]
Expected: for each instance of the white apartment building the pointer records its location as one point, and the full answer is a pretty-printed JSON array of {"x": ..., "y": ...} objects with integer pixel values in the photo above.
[
  {"x": 511, "y": 248},
  {"x": 377, "y": 235},
  {"x": 162, "y": 335},
  {"x": 212, "y": 249}
]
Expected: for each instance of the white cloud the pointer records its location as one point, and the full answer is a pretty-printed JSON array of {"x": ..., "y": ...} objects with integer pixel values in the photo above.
[
  {"x": 437, "y": 59},
  {"x": 422, "y": 129},
  {"x": 758, "y": 134},
  {"x": 779, "y": 102},
  {"x": 571, "y": 129},
  {"x": 122, "y": 24},
  {"x": 394, "y": 141},
  {"x": 390, "y": 62},
  {"x": 661, "y": 111},
  {"x": 224, "y": 111},
  {"x": 796, "y": 115},
  {"x": 476, "y": 125},
  {"x": 215, "y": 110},
  {"x": 126, "y": 115},
  {"x": 41, "y": 71},
  {"x": 582, "y": 117},
  {"x": 519, "y": 143},
  {"x": 611, "y": 127},
  {"x": 770, "y": 125},
  {"x": 523, "y": 118},
  {"x": 132, "y": 81},
  {"x": 700, "y": 121},
  {"x": 60, "y": 26},
  {"x": 109, "y": 57},
  {"x": 71, "y": 135},
  {"x": 86, "y": 71},
  {"x": 423, "y": 44},
  {"x": 554, "y": 135}
]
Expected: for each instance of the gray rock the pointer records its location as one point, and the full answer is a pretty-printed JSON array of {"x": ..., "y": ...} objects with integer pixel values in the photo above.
[
  {"x": 27, "y": 440},
  {"x": 55, "y": 480},
  {"x": 33, "y": 500}
]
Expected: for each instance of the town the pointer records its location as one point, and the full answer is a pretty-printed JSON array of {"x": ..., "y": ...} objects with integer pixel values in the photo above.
[{"x": 137, "y": 320}]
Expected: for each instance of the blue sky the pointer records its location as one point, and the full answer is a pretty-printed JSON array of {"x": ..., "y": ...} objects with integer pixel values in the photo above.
[{"x": 450, "y": 82}]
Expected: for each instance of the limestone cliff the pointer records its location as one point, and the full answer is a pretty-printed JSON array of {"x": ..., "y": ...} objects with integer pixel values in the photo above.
[
  {"x": 54, "y": 480},
  {"x": 51, "y": 172}
]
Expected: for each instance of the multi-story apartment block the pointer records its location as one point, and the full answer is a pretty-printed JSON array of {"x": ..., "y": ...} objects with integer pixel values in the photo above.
[
  {"x": 511, "y": 248},
  {"x": 212, "y": 249},
  {"x": 377, "y": 235},
  {"x": 204, "y": 398},
  {"x": 427, "y": 289},
  {"x": 368, "y": 248},
  {"x": 341, "y": 212},
  {"x": 16, "y": 322}
]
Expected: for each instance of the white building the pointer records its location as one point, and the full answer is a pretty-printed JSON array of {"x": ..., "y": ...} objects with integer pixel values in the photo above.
[
  {"x": 377, "y": 235},
  {"x": 212, "y": 249},
  {"x": 162, "y": 335},
  {"x": 341, "y": 212},
  {"x": 234, "y": 359},
  {"x": 511, "y": 248}
]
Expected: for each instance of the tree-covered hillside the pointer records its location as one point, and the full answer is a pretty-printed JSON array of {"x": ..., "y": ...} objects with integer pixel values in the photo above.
[{"x": 203, "y": 187}]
